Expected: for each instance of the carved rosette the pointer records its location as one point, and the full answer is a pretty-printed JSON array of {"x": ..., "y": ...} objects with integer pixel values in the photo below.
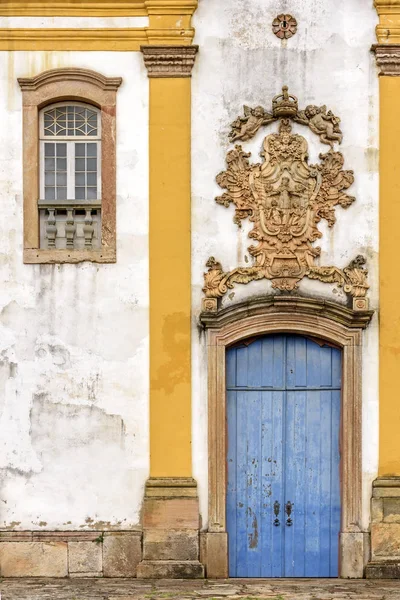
[
  {"x": 285, "y": 198},
  {"x": 169, "y": 61},
  {"x": 284, "y": 26}
]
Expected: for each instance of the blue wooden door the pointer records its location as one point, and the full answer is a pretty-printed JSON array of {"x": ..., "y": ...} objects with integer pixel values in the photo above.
[{"x": 283, "y": 493}]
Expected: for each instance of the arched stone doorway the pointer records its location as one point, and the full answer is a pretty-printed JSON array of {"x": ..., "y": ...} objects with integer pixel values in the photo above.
[{"x": 305, "y": 316}]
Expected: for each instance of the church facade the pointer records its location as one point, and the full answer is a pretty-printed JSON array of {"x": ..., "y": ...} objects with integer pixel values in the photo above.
[{"x": 200, "y": 326}]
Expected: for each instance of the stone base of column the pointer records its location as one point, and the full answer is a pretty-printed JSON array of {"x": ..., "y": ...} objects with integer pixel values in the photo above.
[
  {"x": 385, "y": 529},
  {"x": 354, "y": 554},
  {"x": 214, "y": 554},
  {"x": 171, "y": 524}
]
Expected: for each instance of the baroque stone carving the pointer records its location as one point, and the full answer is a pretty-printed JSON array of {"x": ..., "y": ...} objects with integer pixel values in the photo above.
[
  {"x": 321, "y": 122},
  {"x": 285, "y": 198},
  {"x": 169, "y": 61},
  {"x": 388, "y": 59}
]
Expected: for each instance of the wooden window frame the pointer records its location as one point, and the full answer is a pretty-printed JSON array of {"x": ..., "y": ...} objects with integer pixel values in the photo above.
[
  {"x": 64, "y": 85},
  {"x": 70, "y": 140}
]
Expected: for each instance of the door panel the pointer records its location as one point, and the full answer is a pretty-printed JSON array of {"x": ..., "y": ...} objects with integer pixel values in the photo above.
[
  {"x": 283, "y": 413},
  {"x": 255, "y": 421}
]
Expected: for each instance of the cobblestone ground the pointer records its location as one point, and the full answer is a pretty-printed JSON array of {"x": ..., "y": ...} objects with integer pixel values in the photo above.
[{"x": 234, "y": 589}]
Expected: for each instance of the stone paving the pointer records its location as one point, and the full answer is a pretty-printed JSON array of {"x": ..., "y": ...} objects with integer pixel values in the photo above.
[{"x": 231, "y": 589}]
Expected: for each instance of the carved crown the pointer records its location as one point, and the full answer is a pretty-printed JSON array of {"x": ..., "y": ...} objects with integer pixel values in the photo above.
[{"x": 284, "y": 105}]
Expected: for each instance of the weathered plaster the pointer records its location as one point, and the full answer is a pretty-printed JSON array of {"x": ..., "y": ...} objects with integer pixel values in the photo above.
[
  {"x": 74, "y": 338},
  {"x": 327, "y": 62}
]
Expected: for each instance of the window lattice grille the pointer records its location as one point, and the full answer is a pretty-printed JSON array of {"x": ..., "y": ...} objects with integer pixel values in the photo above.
[{"x": 70, "y": 121}]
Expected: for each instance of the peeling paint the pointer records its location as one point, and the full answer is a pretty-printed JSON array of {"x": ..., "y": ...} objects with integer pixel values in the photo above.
[
  {"x": 74, "y": 338},
  {"x": 253, "y": 537}
]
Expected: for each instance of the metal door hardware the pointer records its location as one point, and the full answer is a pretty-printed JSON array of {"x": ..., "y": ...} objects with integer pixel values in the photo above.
[
  {"x": 277, "y": 508},
  {"x": 288, "y": 509}
]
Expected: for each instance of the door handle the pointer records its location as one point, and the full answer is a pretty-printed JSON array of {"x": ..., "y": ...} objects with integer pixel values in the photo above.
[
  {"x": 288, "y": 509},
  {"x": 277, "y": 508}
]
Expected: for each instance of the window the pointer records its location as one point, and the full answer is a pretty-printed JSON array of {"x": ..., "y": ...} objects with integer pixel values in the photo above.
[
  {"x": 69, "y": 161},
  {"x": 70, "y": 176},
  {"x": 69, "y": 166}
]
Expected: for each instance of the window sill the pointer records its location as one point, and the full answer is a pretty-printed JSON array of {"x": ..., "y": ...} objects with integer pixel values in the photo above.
[{"x": 34, "y": 256}]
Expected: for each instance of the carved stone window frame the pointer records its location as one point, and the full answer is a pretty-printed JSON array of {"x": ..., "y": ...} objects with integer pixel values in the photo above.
[
  {"x": 305, "y": 316},
  {"x": 78, "y": 85}
]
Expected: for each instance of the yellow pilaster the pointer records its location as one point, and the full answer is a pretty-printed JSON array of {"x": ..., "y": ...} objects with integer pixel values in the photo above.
[
  {"x": 389, "y": 418},
  {"x": 169, "y": 71},
  {"x": 388, "y": 59},
  {"x": 170, "y": 513}
]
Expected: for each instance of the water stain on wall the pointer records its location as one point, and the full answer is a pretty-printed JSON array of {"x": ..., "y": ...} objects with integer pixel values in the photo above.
[{"x": 57, "y": 427}]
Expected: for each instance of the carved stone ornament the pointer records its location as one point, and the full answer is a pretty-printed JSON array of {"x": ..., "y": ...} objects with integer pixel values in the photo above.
[
  {"x": 285, "y": 198},
  {"x": 284, "y": 26},
  {"x": 169, "y": 61},
  {"x": 388, "y": 59}
]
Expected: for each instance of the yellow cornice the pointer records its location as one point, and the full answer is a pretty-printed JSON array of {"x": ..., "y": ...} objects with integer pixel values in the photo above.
[
  {"x": 95, "y": 8},
  {"x": 58, "y": 8},
  {"x": 388, "y": 29},
  {"x": 169, "y": 24},
  {"x": 118, "y": 40},
  {"x": 170, "y": 7}
]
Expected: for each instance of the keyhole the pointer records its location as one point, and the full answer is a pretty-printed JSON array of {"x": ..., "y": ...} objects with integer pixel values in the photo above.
[{"x": 284, "y": 24}]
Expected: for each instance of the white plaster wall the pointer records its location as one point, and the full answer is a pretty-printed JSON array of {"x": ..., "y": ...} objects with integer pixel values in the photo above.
[
  {"x": 74, "y": 447},
  {"x": 328, "y": 61}
]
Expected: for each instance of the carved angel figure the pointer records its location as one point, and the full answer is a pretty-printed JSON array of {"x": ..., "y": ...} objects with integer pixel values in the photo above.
[
  {"x": 323, "y": 123},
  {"x": 285, "y": 198},
  {"x": 244, "y": 128}
]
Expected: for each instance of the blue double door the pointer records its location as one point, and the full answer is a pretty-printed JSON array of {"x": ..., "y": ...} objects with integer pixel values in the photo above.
[{"x": 283, "y": 492}]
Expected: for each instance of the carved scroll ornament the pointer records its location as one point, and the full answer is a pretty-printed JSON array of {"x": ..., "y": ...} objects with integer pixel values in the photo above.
[{"x": 285, "y": 198}]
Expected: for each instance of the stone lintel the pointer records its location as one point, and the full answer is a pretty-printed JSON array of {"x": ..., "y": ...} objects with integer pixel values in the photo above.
[
  {"x": 169, "y": 61},
  {"x": 212, "y": 318},
  {"x": 388, "y": 59}
]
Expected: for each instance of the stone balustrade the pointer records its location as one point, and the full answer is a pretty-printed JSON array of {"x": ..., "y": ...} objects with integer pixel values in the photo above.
[{"x": 69, "y": 224}]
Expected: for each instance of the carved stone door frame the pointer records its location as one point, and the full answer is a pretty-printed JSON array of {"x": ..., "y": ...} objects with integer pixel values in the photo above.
[{"x": 305, "y": 316}]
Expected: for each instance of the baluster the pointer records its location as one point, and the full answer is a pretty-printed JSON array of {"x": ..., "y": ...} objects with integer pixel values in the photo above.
[
  {"x": 88, "y": 228},
  {"x": 51, "y": 228},
  {"x": 70, "y": 228}
]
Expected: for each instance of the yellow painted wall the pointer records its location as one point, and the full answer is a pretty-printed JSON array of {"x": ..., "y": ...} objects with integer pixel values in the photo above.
[
  {"x": 389, "y": 399},
  {"x": 170, "y": 284}
]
